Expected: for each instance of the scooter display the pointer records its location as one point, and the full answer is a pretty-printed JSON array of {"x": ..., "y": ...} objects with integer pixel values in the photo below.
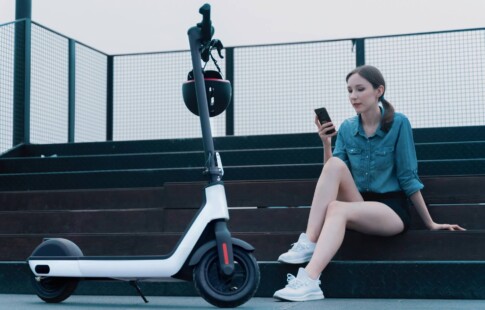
[{"x": 224, "y": 270}]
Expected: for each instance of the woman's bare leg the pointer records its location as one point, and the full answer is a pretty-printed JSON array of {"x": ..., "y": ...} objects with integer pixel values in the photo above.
[
  {"x": 334, "y": 182},
  {"x": 359, "y": 216}
]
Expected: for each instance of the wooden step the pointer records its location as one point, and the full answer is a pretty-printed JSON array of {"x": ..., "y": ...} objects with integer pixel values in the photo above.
[
  {"x": 299, "y": 192},
  {"x": 341, "y": 279},
  {"x": 157, "y": 177},
  {"x": 243, "y": 220},
  {"x": 166, "y": 145},
  {"x": 244, "y": 193},
  {"x": 413, "y": 245},
  {"x": 421, "y": 135},
  {"x": 195, "y": 159}
]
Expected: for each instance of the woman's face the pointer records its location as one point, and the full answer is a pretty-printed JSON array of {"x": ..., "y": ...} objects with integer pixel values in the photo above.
[{"x": 362, "y": 95}]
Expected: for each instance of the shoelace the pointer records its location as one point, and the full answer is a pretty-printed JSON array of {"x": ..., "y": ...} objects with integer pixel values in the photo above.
[
  {"x": 298, "y": 246},
  {"x": 294, "y": 282}
]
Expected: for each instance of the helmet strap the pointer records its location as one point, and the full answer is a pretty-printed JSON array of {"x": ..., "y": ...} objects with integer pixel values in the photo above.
[{"x": 206, "y": 52}]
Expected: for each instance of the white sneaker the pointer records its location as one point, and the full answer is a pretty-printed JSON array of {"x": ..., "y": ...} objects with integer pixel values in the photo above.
[
  {"x": 301, "y": 288},
  {"x": 301, "y": 252}
]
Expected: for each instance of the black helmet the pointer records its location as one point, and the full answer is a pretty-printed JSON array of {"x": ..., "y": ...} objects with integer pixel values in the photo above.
[{"x": 218, "y": 92}]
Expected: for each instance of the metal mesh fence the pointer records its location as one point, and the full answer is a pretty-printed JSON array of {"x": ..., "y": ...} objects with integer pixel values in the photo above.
[
  {"x": 437, "y": 80},
  {"x": 7, "y": 44},
  {"x": 49, "y": 87},
  {"x": 148, "y": 101},
  {"x": 278, "y": 87},
  {"x": 91, "y": 86}
]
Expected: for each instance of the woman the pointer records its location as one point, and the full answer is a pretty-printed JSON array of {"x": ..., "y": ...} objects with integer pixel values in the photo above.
[{"x": 364, "y": 185}]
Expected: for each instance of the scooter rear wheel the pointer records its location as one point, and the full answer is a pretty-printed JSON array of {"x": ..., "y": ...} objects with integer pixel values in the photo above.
[
  {"x": 54, "y": 289},
  {"x": 227, "y": 292}
]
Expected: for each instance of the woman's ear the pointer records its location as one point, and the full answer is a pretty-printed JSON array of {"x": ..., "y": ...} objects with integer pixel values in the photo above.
[{"x": 380, "y": 90}]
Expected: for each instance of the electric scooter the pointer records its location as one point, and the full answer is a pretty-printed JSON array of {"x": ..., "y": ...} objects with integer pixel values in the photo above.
[{"x": 223, "y": 269}]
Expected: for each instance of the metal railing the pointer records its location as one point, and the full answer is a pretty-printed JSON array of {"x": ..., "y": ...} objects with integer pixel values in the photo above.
[{"x": 54, "y": 89}]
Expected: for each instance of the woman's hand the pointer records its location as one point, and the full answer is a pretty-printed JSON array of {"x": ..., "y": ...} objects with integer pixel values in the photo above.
[
  {"x": 436, "y": 226},
  {"x": 323, "y": 129}
]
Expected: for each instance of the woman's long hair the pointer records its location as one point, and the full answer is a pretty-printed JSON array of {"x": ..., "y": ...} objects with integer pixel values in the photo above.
[{"x": 374, "y": 76}]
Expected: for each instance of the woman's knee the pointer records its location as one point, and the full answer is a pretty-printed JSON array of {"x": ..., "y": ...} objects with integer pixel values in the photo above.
[
  {"x": 336, "y": 208},
  {"x": 335, "y": 163}
]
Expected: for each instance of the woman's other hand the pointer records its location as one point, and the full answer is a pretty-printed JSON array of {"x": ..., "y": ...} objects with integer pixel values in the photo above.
[{"x": 454, "y": 227}]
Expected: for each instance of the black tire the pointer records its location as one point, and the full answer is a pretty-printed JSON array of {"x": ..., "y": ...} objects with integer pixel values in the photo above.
[
  {"x": 54, "y": 289},
  {"x": 227, "y": 293}
]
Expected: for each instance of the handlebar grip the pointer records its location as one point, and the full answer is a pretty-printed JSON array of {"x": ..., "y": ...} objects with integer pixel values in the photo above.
[{"x": 206, "y": 24}]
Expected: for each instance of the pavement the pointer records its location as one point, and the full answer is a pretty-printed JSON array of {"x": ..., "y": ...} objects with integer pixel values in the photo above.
[{"x": 78, "y": 302}]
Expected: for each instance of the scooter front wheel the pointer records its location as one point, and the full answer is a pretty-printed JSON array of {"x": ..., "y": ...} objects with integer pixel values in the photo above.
[{"x": 227, "y": 292}]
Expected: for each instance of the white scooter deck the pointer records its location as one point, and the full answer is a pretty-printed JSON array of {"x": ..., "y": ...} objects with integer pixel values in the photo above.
[{"x": 138, "y": 267}]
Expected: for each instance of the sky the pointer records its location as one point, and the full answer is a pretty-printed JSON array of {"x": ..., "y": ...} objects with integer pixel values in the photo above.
[{"x": 138, "y": 26}]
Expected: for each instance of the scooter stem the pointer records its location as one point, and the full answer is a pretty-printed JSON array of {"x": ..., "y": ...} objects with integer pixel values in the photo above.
[
  {"x": 198, "y": 36},
  {"x": 194, "y": 34}
]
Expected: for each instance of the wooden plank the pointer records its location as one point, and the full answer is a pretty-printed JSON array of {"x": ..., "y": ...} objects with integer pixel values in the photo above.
[
  {"x": 85, "y": 199},
  {"x": 102, "y": 162},
  {"x": 265, "y": 193},
  {"x": 454, "y": 189},
  {"x": 450, "y": 150},
  {"x": 269, "y": 220},
  {"x": 109, "y": 147},
  {"x": 449, "y": 134},
  {"x": 82, "y": 221},
  {"x": 266, "y": 220}
]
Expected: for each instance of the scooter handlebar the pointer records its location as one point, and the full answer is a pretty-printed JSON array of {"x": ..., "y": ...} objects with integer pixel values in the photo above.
[{"x": 206, "y": 28}]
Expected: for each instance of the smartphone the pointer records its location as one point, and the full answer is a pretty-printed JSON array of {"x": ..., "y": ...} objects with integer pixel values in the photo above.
[{"x": 323, "y": 117}]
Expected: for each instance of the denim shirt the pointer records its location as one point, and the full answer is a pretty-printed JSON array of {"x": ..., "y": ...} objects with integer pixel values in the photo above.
[{"x": 385, "y": 162}]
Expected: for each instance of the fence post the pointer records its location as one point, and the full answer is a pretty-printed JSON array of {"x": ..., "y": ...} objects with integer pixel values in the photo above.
[
  {"x": 72, "y": 91},
  {"x": 359, "y": 52},
  {"x": 230, "y": 78},
  {"x": 22, "y": 60},
  {"x": 109, "y": 99}
]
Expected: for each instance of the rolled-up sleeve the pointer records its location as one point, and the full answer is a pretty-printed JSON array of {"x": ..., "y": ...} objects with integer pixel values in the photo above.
[{"x": 406, "y": 161}]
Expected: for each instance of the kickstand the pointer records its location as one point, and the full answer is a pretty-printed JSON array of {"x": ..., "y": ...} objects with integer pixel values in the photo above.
[{"x": 135, "y": 285}]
